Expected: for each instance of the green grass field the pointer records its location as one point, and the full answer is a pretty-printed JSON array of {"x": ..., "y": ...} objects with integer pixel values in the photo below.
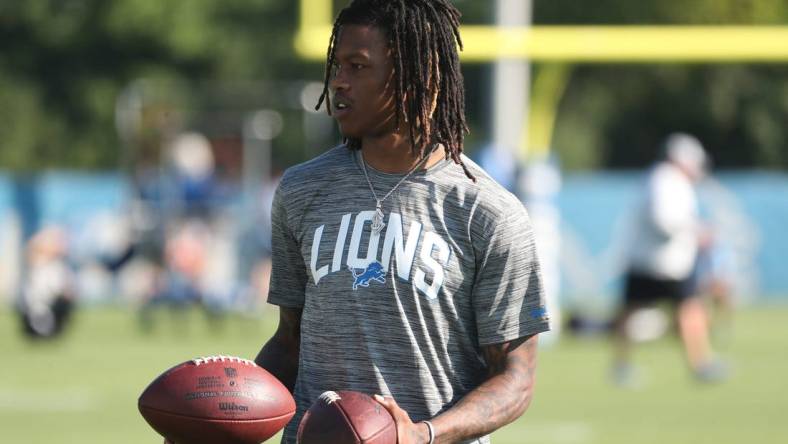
[{"x": 83, "y": 388}]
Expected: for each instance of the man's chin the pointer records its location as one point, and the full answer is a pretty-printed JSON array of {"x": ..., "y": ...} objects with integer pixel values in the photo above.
[{"x": 348, "y": 133}]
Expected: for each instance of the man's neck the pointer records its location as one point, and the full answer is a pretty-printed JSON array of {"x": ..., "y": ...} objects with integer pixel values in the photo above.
[{"x": 393, "y": 154}]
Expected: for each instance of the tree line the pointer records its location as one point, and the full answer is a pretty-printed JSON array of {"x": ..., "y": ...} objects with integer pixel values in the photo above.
[{"x": 63, "y": 64}]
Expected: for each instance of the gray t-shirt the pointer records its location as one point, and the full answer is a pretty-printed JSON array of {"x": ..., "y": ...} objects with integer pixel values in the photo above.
[{"x": 402, "y": 313}]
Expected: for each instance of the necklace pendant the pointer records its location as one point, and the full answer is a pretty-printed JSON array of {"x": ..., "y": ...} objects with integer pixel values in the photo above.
[{"x": 377, "y": 220}]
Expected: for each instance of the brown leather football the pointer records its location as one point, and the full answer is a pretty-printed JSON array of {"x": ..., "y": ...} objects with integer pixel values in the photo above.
[
  {"x": 218, "y": 399},
  {"x": 347, "y": 417}
]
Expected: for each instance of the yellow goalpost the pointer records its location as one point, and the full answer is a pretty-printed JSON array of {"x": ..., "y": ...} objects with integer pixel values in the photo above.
[
  {"x": 630, "y": 43},
  {"x": 561, "y": 46}
]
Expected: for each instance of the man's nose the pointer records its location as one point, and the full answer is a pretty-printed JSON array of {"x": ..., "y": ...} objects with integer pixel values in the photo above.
[{"x": 339, "y": 80}]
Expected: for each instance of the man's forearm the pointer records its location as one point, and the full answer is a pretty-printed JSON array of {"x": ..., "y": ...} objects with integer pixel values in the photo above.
[
  {"x": 281, "y": 360},
  {"x": 498, "y": 401},
  {"x": 280, "y": 354}
]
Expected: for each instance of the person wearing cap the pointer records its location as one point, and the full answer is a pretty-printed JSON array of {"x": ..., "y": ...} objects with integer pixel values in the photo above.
[{"x": 666, "y": 239}]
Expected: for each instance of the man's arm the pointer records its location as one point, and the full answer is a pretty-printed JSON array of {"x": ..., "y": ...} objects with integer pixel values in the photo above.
[
  {"x": 501, "y": 399},
  {"x": 280, "y": 354}
]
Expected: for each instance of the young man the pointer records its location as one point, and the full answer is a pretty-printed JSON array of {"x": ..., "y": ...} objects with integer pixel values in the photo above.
[{"x": 400, "y": 268}]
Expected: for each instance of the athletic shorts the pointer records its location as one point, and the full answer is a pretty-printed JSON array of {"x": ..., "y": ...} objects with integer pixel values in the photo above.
[{"x": 640, "y": 289}]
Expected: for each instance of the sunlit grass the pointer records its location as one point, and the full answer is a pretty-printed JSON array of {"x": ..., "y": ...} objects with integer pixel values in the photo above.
[{"x": 83, "y": 387}]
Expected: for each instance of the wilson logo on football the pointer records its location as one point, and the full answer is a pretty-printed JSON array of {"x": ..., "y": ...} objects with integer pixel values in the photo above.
[{"x": 232, "y": 407}]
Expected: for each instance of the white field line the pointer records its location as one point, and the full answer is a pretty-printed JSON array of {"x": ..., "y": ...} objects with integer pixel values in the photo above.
[{"x": 62, "y": 400}]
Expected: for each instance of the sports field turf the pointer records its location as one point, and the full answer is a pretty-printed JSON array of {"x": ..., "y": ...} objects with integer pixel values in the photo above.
[{"x": 83, "y": 388}]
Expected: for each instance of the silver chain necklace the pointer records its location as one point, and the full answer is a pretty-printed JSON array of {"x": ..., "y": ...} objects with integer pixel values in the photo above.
[{"x": 377, "y": 218}]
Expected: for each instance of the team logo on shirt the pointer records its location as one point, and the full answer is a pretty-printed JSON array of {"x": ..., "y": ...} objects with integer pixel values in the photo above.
[
  {"x": 539, "y": 313},
  {"x": 407, "y": 253},
  {"x": 373, "y": 272}
]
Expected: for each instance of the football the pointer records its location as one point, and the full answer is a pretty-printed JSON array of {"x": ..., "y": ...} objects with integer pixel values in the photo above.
[
  {"x": 217, "y": 399},
  {"x": 347, "y": 417}
]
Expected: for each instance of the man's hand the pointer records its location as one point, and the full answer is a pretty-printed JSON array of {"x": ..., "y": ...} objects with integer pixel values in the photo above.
[{"x": 408, "y": 432}]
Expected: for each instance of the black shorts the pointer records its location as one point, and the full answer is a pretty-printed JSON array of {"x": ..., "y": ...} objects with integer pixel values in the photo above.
[{"x": 640, "y": 289}]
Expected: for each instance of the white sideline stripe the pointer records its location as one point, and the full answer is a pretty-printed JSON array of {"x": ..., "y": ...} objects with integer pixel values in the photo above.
[
  {"x": 64, "y": 400},
  {"x": 561, "y": 432}
]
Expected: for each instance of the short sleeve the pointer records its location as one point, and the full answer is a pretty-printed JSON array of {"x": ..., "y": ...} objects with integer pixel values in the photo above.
[
  {"x": 288, "y": 272},
  {"x": 508, "y": 294}
]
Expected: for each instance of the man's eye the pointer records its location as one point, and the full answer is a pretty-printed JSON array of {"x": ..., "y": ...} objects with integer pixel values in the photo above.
[{"x": 357, "y": 66}]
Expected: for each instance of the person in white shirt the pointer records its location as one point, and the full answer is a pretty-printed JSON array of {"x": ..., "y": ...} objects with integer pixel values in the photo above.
[{"x": 668, "y": 235}]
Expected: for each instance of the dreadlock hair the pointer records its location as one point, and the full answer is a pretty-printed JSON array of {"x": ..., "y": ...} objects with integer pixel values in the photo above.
[{"x": 423, "y": 36}]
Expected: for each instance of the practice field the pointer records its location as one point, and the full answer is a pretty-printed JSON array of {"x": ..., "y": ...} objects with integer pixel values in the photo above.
[{"x": 83, "y": 388}]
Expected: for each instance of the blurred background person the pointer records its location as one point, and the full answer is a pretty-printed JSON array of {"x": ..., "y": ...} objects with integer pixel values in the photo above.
[
  {"x": 47, "y": 296},
  {"x": 666, "y": 241},
  {"x": 198, "y": 252}
]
